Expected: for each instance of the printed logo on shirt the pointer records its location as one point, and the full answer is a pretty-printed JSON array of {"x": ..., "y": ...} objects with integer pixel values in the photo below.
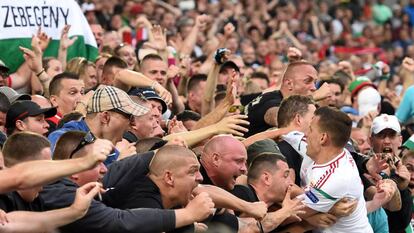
[
  {"x": 312, "y": 196},
  {"x": 253, "y": 103}
]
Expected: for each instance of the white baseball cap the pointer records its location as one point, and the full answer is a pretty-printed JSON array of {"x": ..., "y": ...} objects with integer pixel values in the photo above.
[
  {"x": 368, "y": 100},
  {"x": 385, "y": 121}
]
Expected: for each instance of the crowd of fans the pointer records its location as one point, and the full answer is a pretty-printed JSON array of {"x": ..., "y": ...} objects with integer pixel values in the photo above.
[{"x": 215, "y": 116}]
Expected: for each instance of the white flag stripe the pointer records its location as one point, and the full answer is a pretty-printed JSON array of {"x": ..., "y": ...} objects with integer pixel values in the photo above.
[{"x": 22, "y": 18}]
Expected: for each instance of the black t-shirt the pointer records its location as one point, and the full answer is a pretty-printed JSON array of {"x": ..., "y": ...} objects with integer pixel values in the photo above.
[
  {"x": 126, "y": 176},
  {"x": 399, "y": 220},
  {"x": 206, "y": 178},
  {"x": 142, "y": 193},
  {"x": 246, "y": 99},
  {"x": 246, "y": 193},
  {"x": 12, "y": 202},
  {"x": 293, "y": 158},
  {"x": 257, "y": 108}
]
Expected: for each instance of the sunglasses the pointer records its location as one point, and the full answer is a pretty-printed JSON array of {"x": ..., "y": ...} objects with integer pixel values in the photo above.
[
  {"x": 89, "y": 138},
  {"x": 234, "y": 108}
]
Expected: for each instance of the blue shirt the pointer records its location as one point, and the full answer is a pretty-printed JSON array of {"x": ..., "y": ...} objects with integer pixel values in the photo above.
[
  {"x": 379, "y": 221},
  {"x": 406, "y": 109},
  {"x": 76, "y": 126}
]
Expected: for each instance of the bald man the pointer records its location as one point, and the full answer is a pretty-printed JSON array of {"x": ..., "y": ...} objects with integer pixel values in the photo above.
[
  {"x": 298, "y": 79},
  {"x": 173, "y": 175},
  {"x": 223, "y": 160},
  {"x": 167, "y": 180},
  {"x": 175, "y": 170}
]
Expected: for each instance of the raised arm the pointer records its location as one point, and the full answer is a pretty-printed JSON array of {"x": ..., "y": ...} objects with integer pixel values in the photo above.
[
  {"x": 35, "y": 173},
  {"x": 34, "y": 64},
  {"x": 177, "y": 104},
  {"x": 224, "y": 199},
  {"x": 208, "y": 98},
  {"x": 190, "y": 41},
  {"x": 271, "y": 134},
  {"x": 176, "y": 11},
  {"x": 136, "y": 79},
  {"x": 50, "y": 220},
  {"x": 228, "y": 125},
  {"x": 222, "y": 109},
  {"x": 64, "y": 44}
]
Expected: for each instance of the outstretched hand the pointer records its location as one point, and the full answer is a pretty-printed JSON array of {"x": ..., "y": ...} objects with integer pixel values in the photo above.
[{"x": 65, "y": 42}]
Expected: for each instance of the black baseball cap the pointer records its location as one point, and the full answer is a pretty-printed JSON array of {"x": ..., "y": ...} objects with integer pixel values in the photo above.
[
  {"x": 229, "y": 64},
  {"x": 21, "y": 109},
  {"x": 149, "y": 94}
]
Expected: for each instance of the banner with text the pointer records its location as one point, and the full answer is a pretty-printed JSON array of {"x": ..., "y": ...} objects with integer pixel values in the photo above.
[{"x": 21, "y": 19}]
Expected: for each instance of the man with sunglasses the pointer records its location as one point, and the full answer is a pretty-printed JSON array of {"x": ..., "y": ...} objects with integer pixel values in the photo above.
[
  {"x": 102, "y": 218},
  {"x": 109, "y": 114},
  {"x": 27, "y": 158}
]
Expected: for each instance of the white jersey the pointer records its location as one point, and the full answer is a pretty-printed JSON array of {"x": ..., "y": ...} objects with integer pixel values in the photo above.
[
  {"x": 297, "y": 141},
  {"x": 327, "y": 183}
]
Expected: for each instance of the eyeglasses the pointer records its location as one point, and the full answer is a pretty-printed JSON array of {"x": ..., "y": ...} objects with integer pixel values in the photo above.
[
  {"x": 89, "y": 138},
  {"x": 234, "y": 108},
  {"x": 126, "y": 115}
]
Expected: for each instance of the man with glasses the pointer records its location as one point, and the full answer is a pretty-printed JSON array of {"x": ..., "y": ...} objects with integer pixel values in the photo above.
[
  {"x": 386, "y": 139},
  {"x": 109, "y": 114}
]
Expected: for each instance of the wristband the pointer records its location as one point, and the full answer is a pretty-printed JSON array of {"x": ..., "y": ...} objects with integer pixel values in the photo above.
[
  {"x": 385, "y": 77},
  {"x": 219, "y": 55},
  {"x": 41, "y": 72}
]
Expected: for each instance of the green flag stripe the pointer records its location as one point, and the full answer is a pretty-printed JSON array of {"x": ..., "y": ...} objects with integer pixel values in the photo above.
[
  {"x": 325, "y": 194},
  {"x": 409, "y": 144},
  {"x": 13, "y": 57}
]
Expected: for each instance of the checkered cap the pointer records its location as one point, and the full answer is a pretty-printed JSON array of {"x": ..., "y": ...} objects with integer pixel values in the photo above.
[
  {"x": 12, "y": 95},
  {"x": 107, "y": 98}
]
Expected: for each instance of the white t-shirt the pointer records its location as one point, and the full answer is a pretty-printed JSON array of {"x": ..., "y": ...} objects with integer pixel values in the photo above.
[
  {"x": 297, "y": 141},
  {"x": 327, "y": 183}
]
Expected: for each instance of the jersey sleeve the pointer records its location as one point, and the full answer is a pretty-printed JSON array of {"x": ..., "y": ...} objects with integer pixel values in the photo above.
[{"x": 322, "y": 197}]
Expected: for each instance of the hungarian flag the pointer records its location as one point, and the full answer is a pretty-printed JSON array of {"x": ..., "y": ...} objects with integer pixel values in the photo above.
[{"x": 21, "y": 19}]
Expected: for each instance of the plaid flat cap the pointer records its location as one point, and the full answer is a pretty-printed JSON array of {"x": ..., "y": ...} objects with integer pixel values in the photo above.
[{"x": 107, "y": 98}]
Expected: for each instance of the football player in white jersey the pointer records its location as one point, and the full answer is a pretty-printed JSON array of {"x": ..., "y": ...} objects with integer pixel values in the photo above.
[{"x": 333, "y": 175}]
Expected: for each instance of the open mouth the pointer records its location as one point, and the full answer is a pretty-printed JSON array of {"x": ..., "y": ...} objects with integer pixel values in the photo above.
[{"x": 387, "y": 150}]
